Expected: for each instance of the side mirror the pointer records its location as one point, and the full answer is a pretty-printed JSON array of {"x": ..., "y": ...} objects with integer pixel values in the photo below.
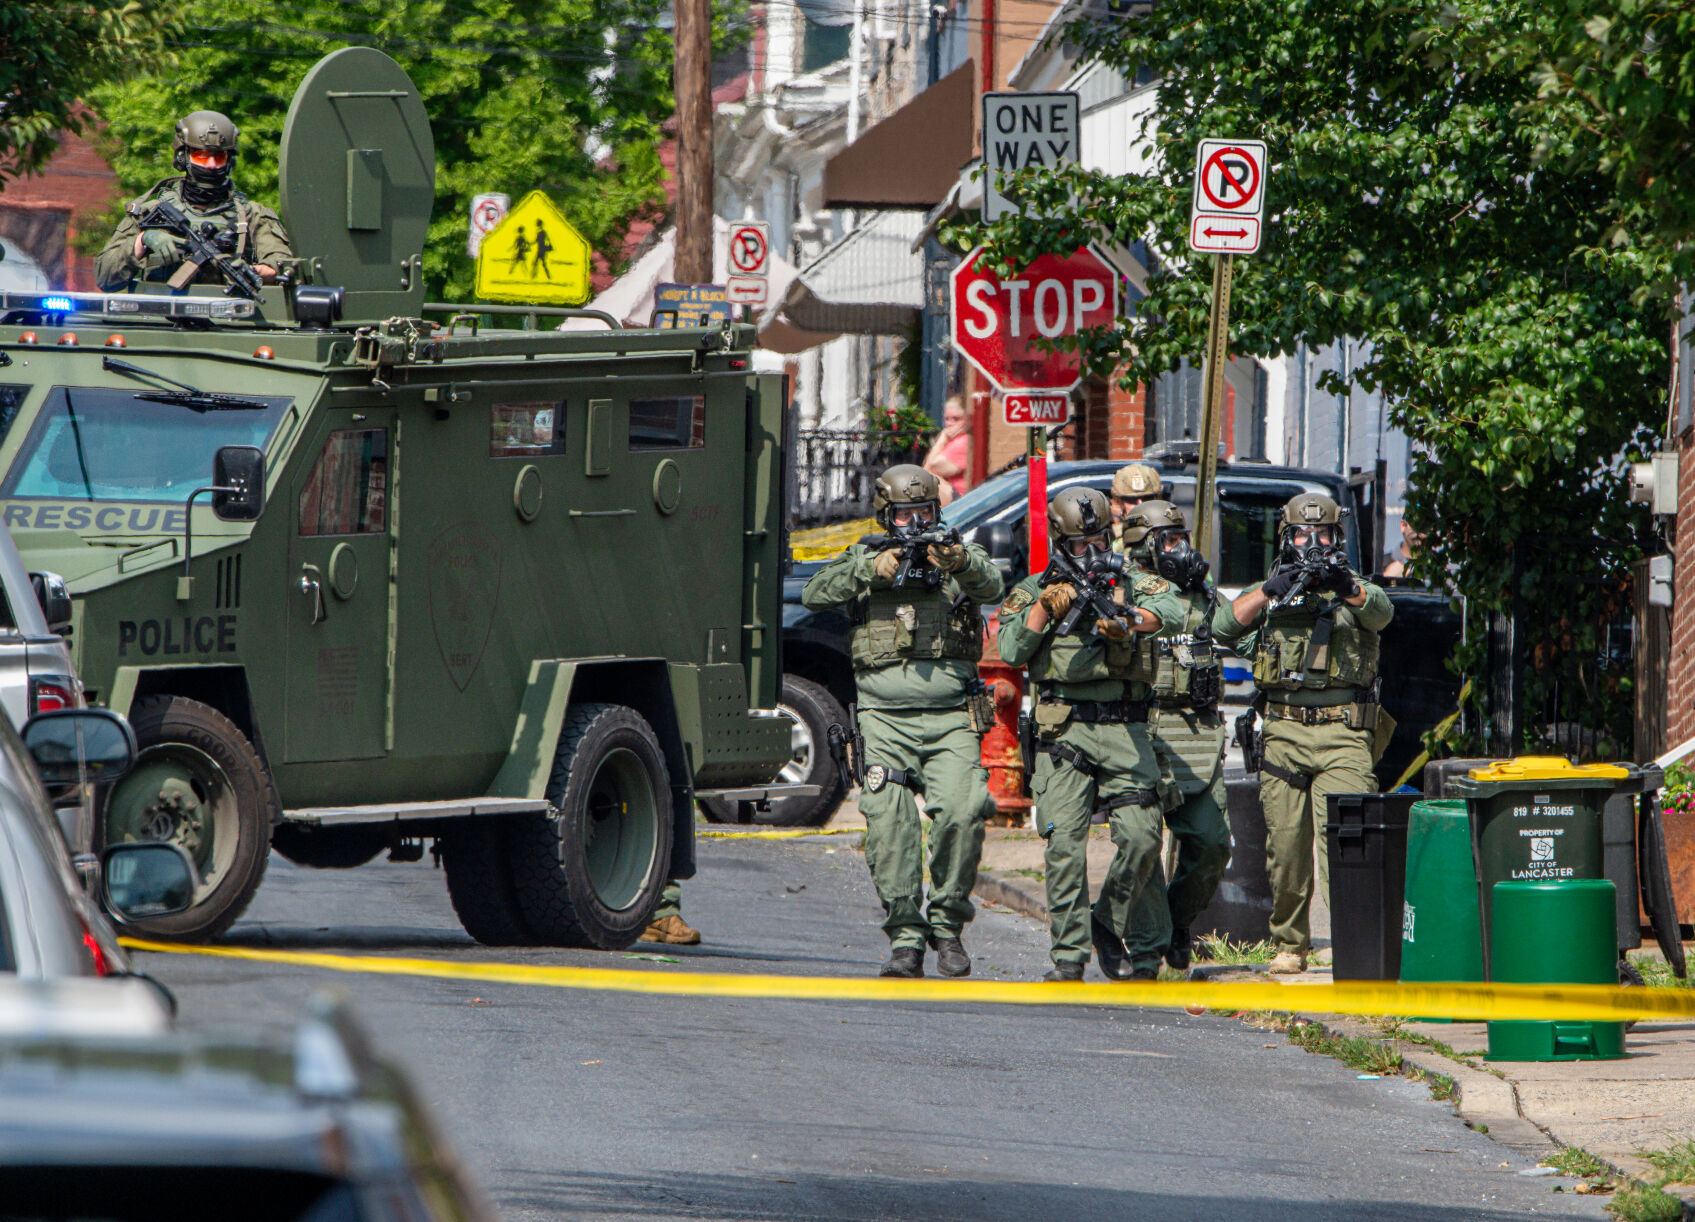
[
  {"x": 148, "y": 878},
  {"x": 55, "y": 600},
  {"x": 238, "y": 483},
  {"x": 998, "y": 540},
  {"x": 71, "y": 746}
]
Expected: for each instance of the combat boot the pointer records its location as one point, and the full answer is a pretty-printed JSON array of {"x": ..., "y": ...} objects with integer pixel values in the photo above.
[
  {"x": 1144, "y": 974},
  {"x": 1288, "y": 963},
  {"x": 1181, "y": 951},
  {"x": 951, "y": 959},
  {"x": 904, "y": 961},
  {"x": 1109, "y": 951},
  {"x": 1064, "y": 971},
  {"x": 671, "y": 930}
]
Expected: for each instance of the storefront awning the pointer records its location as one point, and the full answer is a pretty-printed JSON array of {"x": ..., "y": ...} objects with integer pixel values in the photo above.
[
  {"x": 911, "y": 158},
  {"x": 869, "y": 283}
]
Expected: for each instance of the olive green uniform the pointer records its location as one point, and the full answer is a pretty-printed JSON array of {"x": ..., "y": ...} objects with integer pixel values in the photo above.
[
  {"x": 1093, "y": 751},
  {"x": 1320, "y": 716},
  {"x": 915, "y": 655},
  {"x": 253, "y": 233},
  {"x": 1189, "y": 744}
]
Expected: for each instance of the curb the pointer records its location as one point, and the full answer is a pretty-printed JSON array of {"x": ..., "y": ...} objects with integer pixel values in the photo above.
[{"x": 1021, "y": 895}]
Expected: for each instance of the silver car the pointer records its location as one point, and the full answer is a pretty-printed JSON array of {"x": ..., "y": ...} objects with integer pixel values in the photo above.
[{"x": 50, "y": 925}]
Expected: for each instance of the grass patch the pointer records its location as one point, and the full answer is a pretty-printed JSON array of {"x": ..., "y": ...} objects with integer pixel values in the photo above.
[
  {"x": 1442, "y": 1087},
  {"x": 1367, "y": 1054},
  {"x": 1025, "y": 873},
  {"x": 1656, "y": 972},
  {"x": 1216, "y": 949},
  {"x": 1577, "y": 1163},
  {"x": 1675, "y": 1163},
  {"x": 1641, "y": 1203}
]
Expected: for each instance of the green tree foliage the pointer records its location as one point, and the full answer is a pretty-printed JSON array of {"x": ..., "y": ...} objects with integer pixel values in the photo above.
[
  {"x": 1615, "y": 85},
  {"x": 51, "y": 54},
  {"x": 564, "y": 96},
  {"x": 1407, "y": 206}
]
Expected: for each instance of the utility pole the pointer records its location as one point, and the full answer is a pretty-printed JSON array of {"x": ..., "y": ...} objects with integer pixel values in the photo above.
[{"x": 692, "y": 77}]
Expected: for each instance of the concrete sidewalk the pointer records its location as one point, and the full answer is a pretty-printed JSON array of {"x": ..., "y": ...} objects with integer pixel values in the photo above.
[{"x": 1615, "y": 1110}]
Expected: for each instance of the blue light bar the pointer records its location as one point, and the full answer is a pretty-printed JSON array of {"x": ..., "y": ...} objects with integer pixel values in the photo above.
[{"x": 129, "y": 305}]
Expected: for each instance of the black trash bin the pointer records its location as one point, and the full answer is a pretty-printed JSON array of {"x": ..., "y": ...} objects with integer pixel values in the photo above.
[{"x": 1366, "y": 835}]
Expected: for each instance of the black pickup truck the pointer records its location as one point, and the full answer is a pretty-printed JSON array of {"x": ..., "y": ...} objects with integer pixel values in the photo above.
[{"x": 819, "y": 677}]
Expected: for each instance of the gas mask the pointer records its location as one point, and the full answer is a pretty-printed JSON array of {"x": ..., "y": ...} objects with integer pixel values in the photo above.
[{"x": 1176, "y": 560}]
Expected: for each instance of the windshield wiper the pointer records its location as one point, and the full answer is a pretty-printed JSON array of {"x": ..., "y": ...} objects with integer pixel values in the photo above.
[{"x": 185, "y": 395}]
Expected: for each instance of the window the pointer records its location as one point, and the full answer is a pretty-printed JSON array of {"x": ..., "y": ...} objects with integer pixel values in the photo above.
[
  {"x": 11, "y": 399},
  {"x": 347, "y": 493},
  {"x": 116, "y": 445},
  {"x": 668, "y": 424},
  {"x": 517, "y": 430}
]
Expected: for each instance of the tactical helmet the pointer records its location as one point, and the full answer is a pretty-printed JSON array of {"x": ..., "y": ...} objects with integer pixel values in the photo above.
[
  {"x": 1306, "y": 511},
  {"x": 210, "y": 131},
  {"x": 905, "y": 486},
  {"x": 1148, "y": 517},
  {"x": 1137, "y": 479},
  {"x": 1079, "y": 513}
]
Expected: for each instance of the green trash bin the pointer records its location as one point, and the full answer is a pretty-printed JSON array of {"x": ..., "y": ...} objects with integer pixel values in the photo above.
[
  {"x": 1441, "y": 934},
  {"x": 1537, "y": 818},
  {"x": 1555, "y": 933}
]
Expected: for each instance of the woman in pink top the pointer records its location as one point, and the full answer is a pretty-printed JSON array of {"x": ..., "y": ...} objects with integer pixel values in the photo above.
[{"x": 950, "y": 454}]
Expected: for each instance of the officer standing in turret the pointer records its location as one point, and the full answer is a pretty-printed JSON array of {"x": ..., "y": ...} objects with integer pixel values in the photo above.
[
  {"x": 1090, "y": 727},
  {"x": 915, "y": 650},
  {"x": 1188, "y": 736},
  {"x": 1315, "y": 665},
  {"x": 204, "y": 150}
]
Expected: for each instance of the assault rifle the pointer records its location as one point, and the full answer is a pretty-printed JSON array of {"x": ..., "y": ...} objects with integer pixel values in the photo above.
[
  {"x": 1314, "y": 570},
  {"x": 1093, "y": 579},
  {"x": 915, "y": 543},
  {"x": 239, "y": 279}
]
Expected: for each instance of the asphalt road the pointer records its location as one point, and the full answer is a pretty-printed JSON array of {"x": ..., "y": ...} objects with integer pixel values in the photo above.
[{"x": 604, "y": 1105}]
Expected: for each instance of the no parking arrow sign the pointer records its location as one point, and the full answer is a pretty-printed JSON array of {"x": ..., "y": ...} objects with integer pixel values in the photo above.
[
  {"x": 750, "y": 262},
  {"x": 1229, "y": 203}
]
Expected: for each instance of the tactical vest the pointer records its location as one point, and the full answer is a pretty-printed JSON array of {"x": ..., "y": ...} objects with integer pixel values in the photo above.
[
  {"x": 1171, "y": 668},
  {"x": 1289, "y": 659},
  {"x": 1072, "y": 659},
  {"x": 908, "y": 626},
  {"x": 1135, "y": 659},
  {"x": 234, "y": 221}
]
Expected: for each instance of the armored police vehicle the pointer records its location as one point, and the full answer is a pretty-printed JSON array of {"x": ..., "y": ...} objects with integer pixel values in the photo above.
[{"x": 362, "y": 579}]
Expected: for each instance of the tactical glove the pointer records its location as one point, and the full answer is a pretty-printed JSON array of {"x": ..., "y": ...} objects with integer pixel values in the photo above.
[
  {"x": 1112, "y": 629},
  {"x": 161, "y": 245},
  {"x": 1057, "y": 598},
  {"x": 1280, "y": 582},
  {"x": 1342, "y": 582},
  {"x": 887, "y": 564},
  {"x": 949, "y": 557}
]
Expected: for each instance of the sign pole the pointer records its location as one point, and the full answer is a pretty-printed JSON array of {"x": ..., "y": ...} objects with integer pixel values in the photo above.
[
  {"x": 1217, "y": 353},
  {"x": 1036, "y": 528}
]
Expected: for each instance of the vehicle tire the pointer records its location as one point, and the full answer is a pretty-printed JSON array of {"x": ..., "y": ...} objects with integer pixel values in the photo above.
[
  {"x": 199, "y": 783},
  {"x": 331, "y": 848},
  {"x": 592, "y": 875},
  {"x": 813, "y": 711},
  {"x": 479, "y": 882}
]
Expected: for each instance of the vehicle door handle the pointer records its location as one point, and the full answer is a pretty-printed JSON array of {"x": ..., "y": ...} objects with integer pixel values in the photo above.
[{"x": 312, "y": 585}]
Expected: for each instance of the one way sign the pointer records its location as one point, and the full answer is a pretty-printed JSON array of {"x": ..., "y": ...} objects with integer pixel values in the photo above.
[
  {"x": 1229, "y": 201},
  {"x": 1021, "y": 131}
]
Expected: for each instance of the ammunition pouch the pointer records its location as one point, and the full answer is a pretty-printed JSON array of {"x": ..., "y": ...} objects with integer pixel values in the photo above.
[
  {"x": 1307, "y": 652},
  {"x": 980, "y": 703},
  {"x": 916, "y": 625}
]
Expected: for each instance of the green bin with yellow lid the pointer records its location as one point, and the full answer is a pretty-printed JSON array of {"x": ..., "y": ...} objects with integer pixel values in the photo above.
[{"x": 1537, "y": 818}]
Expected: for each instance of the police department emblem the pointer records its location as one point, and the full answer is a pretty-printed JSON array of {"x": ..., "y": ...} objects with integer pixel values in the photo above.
[{"x": 876, "y": 776}]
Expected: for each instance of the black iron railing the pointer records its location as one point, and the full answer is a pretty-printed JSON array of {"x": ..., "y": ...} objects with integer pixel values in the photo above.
[{"x": 836, "y": 471}]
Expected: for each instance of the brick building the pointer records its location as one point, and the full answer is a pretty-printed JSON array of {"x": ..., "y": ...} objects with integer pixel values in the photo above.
[{"x": 46, "y": 215}]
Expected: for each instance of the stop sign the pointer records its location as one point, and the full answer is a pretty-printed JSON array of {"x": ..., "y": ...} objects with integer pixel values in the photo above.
[{"x": 998, "y": 324}]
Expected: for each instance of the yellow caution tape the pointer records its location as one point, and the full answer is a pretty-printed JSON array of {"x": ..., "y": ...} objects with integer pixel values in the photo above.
[
  {"x": 787, "y": 833},
  {"x": 1566, "y": 1003},
  {"x": 828, "y": 542}
]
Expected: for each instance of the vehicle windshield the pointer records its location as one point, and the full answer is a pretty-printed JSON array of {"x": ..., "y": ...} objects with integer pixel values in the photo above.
[{"x": 112, "y": 445}]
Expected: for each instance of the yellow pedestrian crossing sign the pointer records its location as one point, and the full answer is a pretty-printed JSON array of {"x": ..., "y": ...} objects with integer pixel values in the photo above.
[{"x": 534, "y": 256}]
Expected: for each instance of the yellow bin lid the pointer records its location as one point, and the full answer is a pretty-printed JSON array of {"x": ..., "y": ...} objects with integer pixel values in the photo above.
[{"x": 1548, "y": 768}]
